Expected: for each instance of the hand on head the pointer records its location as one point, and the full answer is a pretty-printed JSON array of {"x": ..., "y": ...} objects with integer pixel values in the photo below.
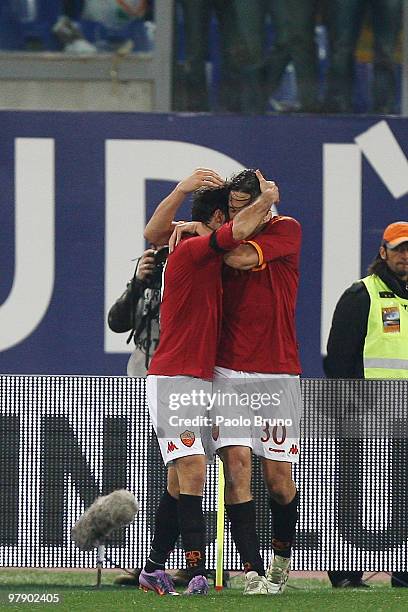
[
  {"x": 189, "y": 227},
  {"x": 268, "y": 185},
  {"x": 201, "y": 177}
]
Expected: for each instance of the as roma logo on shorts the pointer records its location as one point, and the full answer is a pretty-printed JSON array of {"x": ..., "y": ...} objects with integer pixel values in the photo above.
[
  {"x": 188, "y": 438},
  {"x": 215, "y": 432}
]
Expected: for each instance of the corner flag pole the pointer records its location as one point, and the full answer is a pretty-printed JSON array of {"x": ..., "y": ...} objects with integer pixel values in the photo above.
[{"x": 220, "y": 528}]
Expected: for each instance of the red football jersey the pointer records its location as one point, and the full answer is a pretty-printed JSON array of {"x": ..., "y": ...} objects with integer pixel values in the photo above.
[
  {"x": 190, "y": 313},
  {"x": 258, "y": 321}
]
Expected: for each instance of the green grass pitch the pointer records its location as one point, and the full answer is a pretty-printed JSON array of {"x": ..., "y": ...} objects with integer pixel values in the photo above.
[{"x": 77, "y": 593}]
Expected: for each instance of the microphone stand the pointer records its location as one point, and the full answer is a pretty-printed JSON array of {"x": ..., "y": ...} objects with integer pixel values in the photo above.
[{"x": 99, "y": 564}]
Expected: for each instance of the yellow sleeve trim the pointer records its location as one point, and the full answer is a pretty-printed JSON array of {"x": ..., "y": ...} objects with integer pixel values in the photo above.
[{"x": 261, "y": 264}]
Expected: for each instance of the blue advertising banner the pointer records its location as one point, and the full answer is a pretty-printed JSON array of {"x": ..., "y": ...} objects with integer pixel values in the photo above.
[{"x": 76, "y": 189}]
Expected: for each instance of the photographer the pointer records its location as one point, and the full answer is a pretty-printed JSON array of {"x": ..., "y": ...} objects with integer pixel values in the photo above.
[{"x": 137, "y": 310}]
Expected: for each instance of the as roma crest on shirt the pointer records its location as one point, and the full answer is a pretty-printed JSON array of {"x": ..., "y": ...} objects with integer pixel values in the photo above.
[{"x": 188, "y": 438}]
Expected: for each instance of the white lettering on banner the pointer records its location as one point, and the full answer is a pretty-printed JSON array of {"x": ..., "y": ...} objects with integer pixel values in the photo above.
[
  {"x": 129, "y": 163},
  {"x": 342, "y": 208},
  {"x": 33, "y": 282},
  {"x": 382, "y": 150},
  {"x": 341, "y": 252}
]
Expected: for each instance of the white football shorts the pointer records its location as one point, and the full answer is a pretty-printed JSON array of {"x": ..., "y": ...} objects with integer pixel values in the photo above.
[
  {"x": 177, "y": 408},
  {"x": 265, "y": 415}
]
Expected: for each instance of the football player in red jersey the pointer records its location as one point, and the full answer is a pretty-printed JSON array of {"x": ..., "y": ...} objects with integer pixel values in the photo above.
[
  {"x": 258, "y": 341},
  {"x": 184, "y": 362},
  {"x": 258, "y": 344}
]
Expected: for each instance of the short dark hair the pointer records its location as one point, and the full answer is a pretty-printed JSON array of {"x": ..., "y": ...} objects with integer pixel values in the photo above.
[
  {"x": 206, "y": 201},
  {"x": 245, "y": 181}
]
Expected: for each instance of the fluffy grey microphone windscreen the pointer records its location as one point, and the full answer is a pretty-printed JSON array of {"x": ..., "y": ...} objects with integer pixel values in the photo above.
[{"x": 106, "y": 514}]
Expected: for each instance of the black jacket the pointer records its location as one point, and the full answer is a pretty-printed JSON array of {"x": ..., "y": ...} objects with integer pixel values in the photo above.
[
  {"x": 137, "y": 310},
  {"x": 349, "y": 327},
  {"x": 123, "y": 314}
]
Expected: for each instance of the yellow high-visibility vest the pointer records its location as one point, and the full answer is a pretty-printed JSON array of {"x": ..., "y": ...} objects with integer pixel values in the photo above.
[{"x": 385, "y": 352}]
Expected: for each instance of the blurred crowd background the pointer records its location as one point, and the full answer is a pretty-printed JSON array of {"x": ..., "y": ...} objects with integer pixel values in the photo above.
[{"x": 257, "y": 56}]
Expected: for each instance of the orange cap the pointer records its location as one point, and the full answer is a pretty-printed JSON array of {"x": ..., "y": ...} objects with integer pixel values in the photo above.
[{"x": 395, "y": 234}]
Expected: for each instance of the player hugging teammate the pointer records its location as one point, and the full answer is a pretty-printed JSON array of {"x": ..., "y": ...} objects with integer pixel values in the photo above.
[{"x": 233, "y": 322}]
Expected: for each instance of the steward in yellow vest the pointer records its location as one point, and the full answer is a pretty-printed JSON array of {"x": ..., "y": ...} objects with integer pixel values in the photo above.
[
  {"x": 385, "y": 353},
  {"x": 369, "y": 337},
  {"x": 369, "y": 332}
]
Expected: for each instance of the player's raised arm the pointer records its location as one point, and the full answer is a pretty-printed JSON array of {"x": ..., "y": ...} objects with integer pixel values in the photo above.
[
  {"x": 161, "y": 224},
  {"x": 244, "y": 257}
]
